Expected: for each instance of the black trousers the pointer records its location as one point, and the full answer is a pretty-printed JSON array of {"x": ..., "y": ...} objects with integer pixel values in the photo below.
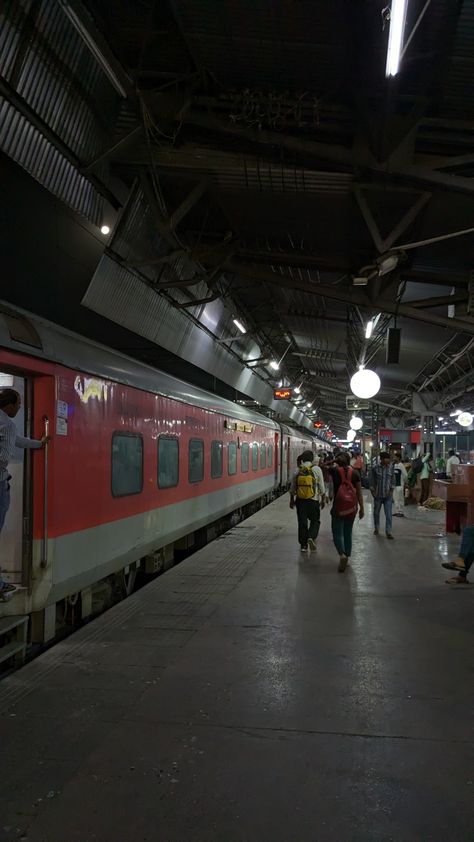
[{"x": 309, "y": 520}]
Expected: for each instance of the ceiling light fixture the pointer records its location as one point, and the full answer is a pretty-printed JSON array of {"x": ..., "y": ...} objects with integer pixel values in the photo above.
[
  {"x": 351, "y": 434},
  {"x": 369, "y": 329},
  {"x": 356, "y": 423},
  {"x": 105, "y": 230},
  {"x": 274, "y": 365},
  {"x": 365, "y": 383},
  {"x": 239, "y": 325},
  {"x": 398, "y": 15},
  {"x": 465, "y": 419}
]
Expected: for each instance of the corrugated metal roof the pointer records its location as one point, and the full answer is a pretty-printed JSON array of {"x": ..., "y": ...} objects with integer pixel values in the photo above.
[
  {"x": 31, "y": 150},
  {"x": 48, "y": 65}
]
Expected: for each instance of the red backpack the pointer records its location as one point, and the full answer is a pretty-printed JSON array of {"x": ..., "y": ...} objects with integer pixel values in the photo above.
[{"x": 345, "y": 503}]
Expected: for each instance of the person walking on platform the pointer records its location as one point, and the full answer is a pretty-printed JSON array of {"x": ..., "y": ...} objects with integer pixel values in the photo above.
[
  {"x": 464, "y": 559},
  {"x": 401, "y": 479},
  {"x": 307, "y": 493},
  {"x": 10, "y": 402},
  {"x": 347, "y": 499},
  {"x": 425, "y": 477},
  {"x": 382, "y": 483}
]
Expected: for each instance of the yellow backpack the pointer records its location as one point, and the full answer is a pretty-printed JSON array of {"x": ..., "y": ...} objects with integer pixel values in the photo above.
[{"x": 305, "y": 484}]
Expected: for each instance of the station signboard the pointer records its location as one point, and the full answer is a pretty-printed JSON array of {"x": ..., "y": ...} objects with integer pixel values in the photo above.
[{"x": 282, "y": 394}]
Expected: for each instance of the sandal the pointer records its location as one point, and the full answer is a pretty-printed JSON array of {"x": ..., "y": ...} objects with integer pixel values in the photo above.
[
  {"x": 459, "y": 581},
  {"x": 451, "y": 565}
]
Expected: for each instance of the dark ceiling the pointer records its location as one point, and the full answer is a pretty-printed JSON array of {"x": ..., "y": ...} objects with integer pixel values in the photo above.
[{"x": 280, "y": 164}]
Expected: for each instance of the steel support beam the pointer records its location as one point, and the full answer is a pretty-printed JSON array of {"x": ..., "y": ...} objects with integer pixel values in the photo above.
[
  {"x": 440, "y": 301},
  {"x": 187, "y": 204},
  {"x": 329, "y": 152},
  {"x": 347, "y": 296},
  {"x": 83, "y": 23},
  {"x": 122, "y": 144}
]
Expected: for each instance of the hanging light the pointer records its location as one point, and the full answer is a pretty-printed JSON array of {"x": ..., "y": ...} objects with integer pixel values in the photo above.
[
  {"x": 351, "y": 434},
  {"x": 274, "y": 365},
  {"x": 356, "y": 423},
  {"x": 105, "y": 229},
  {"x": 465, "y": 419},
  {"x": 365, "y": 383}
]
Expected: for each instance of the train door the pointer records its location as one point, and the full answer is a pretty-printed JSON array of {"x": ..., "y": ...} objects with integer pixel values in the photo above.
[
  {"x": 15, "y": 539},
  {"x": 288, "y": 459}
]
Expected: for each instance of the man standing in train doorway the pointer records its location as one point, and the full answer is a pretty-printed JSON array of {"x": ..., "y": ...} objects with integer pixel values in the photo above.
[
  {"x": 10, "y": 402},
  {"x": 307, "y": 493}
]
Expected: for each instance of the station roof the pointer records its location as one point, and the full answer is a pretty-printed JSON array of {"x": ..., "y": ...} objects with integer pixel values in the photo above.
[{"x": 256, "y": 163}]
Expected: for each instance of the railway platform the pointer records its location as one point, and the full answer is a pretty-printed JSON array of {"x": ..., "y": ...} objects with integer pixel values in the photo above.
[{"x": 252, "y": 694}]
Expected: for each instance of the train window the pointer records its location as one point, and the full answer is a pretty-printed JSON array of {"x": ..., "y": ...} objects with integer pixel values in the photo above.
[
  {"x": 216, "y": 459},
  {"x": 255, "y": 457},
  {"x": 127, "y": 464},
  {"x": 270, "y": 455},
  {"x": 263, "y": 456},
  {"x": 168, "y": 462},
  {"x": 232, "y": 460},
  {"x": 244, "y": 458},
  {"x": 196, "y": 460}
]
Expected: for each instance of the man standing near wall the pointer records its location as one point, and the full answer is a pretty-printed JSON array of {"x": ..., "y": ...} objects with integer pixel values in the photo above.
[{"x": 382, "y": 483}]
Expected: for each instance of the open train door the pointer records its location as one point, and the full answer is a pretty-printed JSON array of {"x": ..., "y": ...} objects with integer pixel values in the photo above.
[{"x": 15, "y": 557}]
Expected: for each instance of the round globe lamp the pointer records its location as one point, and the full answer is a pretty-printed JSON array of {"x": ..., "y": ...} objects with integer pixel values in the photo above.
[
  {"x": 365, "y": 383},
  {"x": 356, "y": 423},
  {"x": 351, "y": 434},
  {"x": 465, "y": 419}
]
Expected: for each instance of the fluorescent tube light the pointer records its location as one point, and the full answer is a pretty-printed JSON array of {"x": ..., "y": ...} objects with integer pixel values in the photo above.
[
  {"x": 398, "y": 15},
  {"x": 239, "y": 325},
  {"x": 369, "y": 329}
]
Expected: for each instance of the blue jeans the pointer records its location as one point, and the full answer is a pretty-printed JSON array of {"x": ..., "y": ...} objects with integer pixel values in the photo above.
[
  {"x": 4, "y": 506},
  {"x": 387, "y": 504},
  {"x": 466, "y": 550},
  {"x": 342, "y": 534}
]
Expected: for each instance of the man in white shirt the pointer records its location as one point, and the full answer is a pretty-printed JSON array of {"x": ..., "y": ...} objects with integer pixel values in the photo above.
[
  {"x": 308, "y": 494},
  {"x": 401, "y": 479},
  {"x": 452, "y": 460},
  {"x": 10, "y": 402}
]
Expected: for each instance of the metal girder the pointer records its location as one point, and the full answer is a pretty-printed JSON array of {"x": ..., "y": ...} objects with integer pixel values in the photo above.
[
  {"x": 158, "y": 261},
  {"x": 329, "y": 152},
  {"x": 347, "y": 296},
  {"x": 120, "y": 145},
  {"x": 187, "y": 204},
  {"x": 83, "y": 23},
  {"x": 183, "y": 305},
  {"x": 440, "y": 300},
  {"x": 384, "y": 244}
]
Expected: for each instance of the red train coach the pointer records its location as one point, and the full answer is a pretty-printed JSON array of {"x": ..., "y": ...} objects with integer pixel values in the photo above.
[{"x": 139, "y": 463}]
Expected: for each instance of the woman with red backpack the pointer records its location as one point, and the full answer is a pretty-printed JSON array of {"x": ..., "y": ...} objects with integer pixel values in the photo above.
[{"x": 347, "y": 499}]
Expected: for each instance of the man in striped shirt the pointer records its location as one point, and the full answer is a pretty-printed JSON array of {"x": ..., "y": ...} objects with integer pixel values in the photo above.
[
  {"x": 382, "y": 483},
  {"x": 10, "y": 402}
]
